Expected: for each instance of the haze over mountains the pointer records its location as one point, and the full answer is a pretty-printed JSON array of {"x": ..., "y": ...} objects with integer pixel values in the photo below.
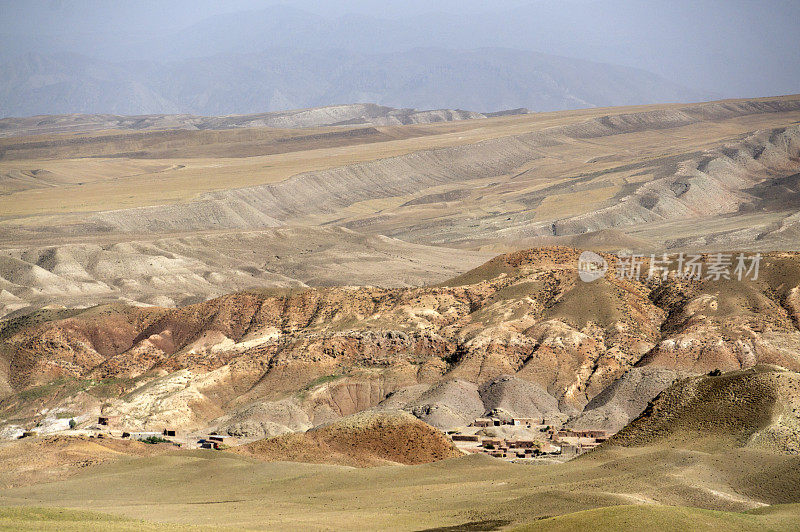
[
  {"x": 288, "y": 78},
  {"x": 736, "y": 48},
  {"x": 247, "y": 58}
]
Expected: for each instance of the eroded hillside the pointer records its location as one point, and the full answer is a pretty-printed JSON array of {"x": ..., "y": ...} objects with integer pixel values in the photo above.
[
  {"x": 521, "y": 332},
  {"x": 174, "y": 217}
]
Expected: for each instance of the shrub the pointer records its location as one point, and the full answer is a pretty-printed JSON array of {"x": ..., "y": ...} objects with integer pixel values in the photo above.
[
  {"x": 73, "y": 423},
  {"x": 715, "y": 373},
  {"x": 154, "y": 440}
]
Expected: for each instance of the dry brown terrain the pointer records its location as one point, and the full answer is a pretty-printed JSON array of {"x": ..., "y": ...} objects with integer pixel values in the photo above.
[
  {"x": 47, "y": 459},
  {"x": 521, "y": 333},
  {"x": 269, "y": 284},
  {"x": 363, "y": 439},
  {"x": 674, "y": 481},
  {"x": 333, "y": 115},
  {"x": 754, "y": 408},
  {"x": 172, "y": 216}
]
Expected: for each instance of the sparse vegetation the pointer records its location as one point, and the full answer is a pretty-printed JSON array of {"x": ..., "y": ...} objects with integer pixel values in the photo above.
[
  {"x": 319, "y": 381},
  {"x": 110, "y": 388},
  {"x": 43, "y": 390},
  {"x": 154, "y": 439},
  {"x": 645, "y": 518},
  {"x": 322, "y": 380}
]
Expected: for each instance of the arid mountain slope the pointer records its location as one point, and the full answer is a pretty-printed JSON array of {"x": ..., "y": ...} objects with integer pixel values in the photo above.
[
  {"x": 442, "y": 353},
  {"x": 755, "y": 408},
  {"x": 689, "y": 182},
  {"x": 52, "y": 458},
  {"x": 626, "y": 398}
]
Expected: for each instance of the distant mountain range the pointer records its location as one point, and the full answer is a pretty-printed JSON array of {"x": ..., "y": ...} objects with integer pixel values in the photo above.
[
  {"x": 484, "y": 80},
  {"x": 733, "y": 48}
]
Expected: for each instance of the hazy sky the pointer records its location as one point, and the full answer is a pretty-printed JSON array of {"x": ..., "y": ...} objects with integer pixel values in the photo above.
[
  {"x": 175, "y": 14},
  {"x": 733, "y": 48}
]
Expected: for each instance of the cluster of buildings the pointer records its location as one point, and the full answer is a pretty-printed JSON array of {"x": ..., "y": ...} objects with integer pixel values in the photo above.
[
  {"x": 516, "y": 438},
  {"x": 211, "y": 441},
  {"x": 543, "y": 440},
  {"x": 506, "y": 448},
  {"x": 579, "y": 440}
]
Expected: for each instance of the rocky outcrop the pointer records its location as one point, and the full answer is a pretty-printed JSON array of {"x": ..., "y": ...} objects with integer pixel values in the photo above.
[
  {"x": 264, "y": 420},
  {"x": 453, "y": 403},
  {"x": 518, "y": 398},
  {"x": 521, "y": 334}
]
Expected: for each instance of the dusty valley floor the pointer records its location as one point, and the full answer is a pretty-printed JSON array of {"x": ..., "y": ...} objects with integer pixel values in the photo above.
[{"x": 355, "y": 308}]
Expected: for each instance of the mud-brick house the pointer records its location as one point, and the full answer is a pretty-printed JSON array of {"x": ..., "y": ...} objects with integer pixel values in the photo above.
[
  {"x": 549, "y": 448},
  {"x": 528, "y": 421},
  {"x": 569, "y": 450},
  {"x": 595, "y": 434},
  {"x": 492, "y": 443},
  {"x": 466, "y": 437},
  {"x": 108, "y": 421},
  {"x": 523, "y": 444}
]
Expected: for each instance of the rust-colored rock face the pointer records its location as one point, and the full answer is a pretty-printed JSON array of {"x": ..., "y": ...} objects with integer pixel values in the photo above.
[{"x": 340, "y": 350}]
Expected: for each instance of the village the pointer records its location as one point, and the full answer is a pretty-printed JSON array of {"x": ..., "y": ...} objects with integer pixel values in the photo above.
[
  {"x": 516, "y": 439},
  {"x": 111, "y": 427}
]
